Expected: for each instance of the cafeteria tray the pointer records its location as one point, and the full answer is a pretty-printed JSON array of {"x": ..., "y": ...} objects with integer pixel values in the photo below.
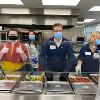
[
  {"x": 82, "y": 88},
  {"x": 58, "y": 87},
  {"x": 29, "y": 87}
]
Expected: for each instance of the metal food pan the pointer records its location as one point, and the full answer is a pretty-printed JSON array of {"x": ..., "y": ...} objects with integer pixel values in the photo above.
[
  {"x": 6, "y": 85},
  {"x": 59, "y": 87},
  {"x": 77, "y": 79},
  {"x": 29, "y": 87},
  {"x": 84, "y": 88}
]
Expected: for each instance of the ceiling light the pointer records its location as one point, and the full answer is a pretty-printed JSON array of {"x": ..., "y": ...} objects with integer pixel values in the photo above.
[
  {"x": 61, "y": 2},
  {"x": 95, "y": 8},
  {"x": 17, "y": 2},
  {"x": 89, "y": 20}
]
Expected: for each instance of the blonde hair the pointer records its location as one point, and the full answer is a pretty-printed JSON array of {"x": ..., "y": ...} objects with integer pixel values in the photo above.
[{"x": 93, "y": 36}]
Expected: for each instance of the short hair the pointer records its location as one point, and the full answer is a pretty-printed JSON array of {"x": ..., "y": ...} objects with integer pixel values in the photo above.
[
  {"x": 13, "y": 29},
  {"x": 57, "y": 24}
]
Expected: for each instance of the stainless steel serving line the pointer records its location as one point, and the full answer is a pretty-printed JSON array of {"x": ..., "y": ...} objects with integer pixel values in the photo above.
[{"x": 36, "y": 87}]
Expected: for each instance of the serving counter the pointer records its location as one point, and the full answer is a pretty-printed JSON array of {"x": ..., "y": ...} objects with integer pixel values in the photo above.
[{"x": 34, "y": 86}]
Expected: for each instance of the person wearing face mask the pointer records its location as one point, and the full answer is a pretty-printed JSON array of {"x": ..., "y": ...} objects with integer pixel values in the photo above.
[
  {"x": 33, "y": 52},
  {"x": 54, "y": 53},
  {"x": 13, "y": 54},
  {"x": 88, "y": 57}
]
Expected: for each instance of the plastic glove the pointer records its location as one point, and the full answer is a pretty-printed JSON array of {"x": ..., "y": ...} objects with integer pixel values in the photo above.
[
  {"x": 78, "y": 69},
  {"x": 5, "y": 49},
  {"x": 19, "y": 50}
]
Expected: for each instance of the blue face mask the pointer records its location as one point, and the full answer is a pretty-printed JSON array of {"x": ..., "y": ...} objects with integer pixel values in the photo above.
[
  {"x": 97, "y": 41},
  {"x": 58, "y": 35},
  {"x": 32, "y": 37}
]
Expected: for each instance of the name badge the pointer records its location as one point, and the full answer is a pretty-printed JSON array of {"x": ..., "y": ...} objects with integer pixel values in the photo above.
[
  {"x": 87, "y": 53},
  {"x": 52, "y": 47}
]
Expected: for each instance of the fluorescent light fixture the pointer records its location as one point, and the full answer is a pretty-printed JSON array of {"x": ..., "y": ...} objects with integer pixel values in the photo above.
[
  {"x": 61, "y": 2},
  {"x": 17, "y": 2},
  {"x": 89, "y": 20},
  {"x": 95, "y": 8}
]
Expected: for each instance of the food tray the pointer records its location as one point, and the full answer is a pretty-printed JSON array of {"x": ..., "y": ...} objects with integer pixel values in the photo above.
[
  {"x": 59, "y": 87},
  {"x": 77, "y": 79},
  {"x": 82, "y": 88},
  {"x": 29, "y": 87}
]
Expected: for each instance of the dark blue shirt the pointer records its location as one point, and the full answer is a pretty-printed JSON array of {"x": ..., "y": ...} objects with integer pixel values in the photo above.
[
  {"x": 57, "y": 58},
  {"x": 89, "y": 63}
]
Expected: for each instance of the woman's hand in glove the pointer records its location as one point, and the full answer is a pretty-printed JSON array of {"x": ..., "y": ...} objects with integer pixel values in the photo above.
[{"x": 78, "y": 69}]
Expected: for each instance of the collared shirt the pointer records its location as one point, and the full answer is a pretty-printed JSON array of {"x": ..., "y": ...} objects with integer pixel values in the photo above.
[{"x": 58, "y": 43}]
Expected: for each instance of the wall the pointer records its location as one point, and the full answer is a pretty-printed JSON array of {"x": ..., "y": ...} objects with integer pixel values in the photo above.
[
  {"x": 92, "y": 28},
  {"x": 70, "y": 34}
]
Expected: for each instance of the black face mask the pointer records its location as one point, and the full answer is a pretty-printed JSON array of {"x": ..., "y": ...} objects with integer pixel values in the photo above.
[{"x": 13, "y": 37}]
